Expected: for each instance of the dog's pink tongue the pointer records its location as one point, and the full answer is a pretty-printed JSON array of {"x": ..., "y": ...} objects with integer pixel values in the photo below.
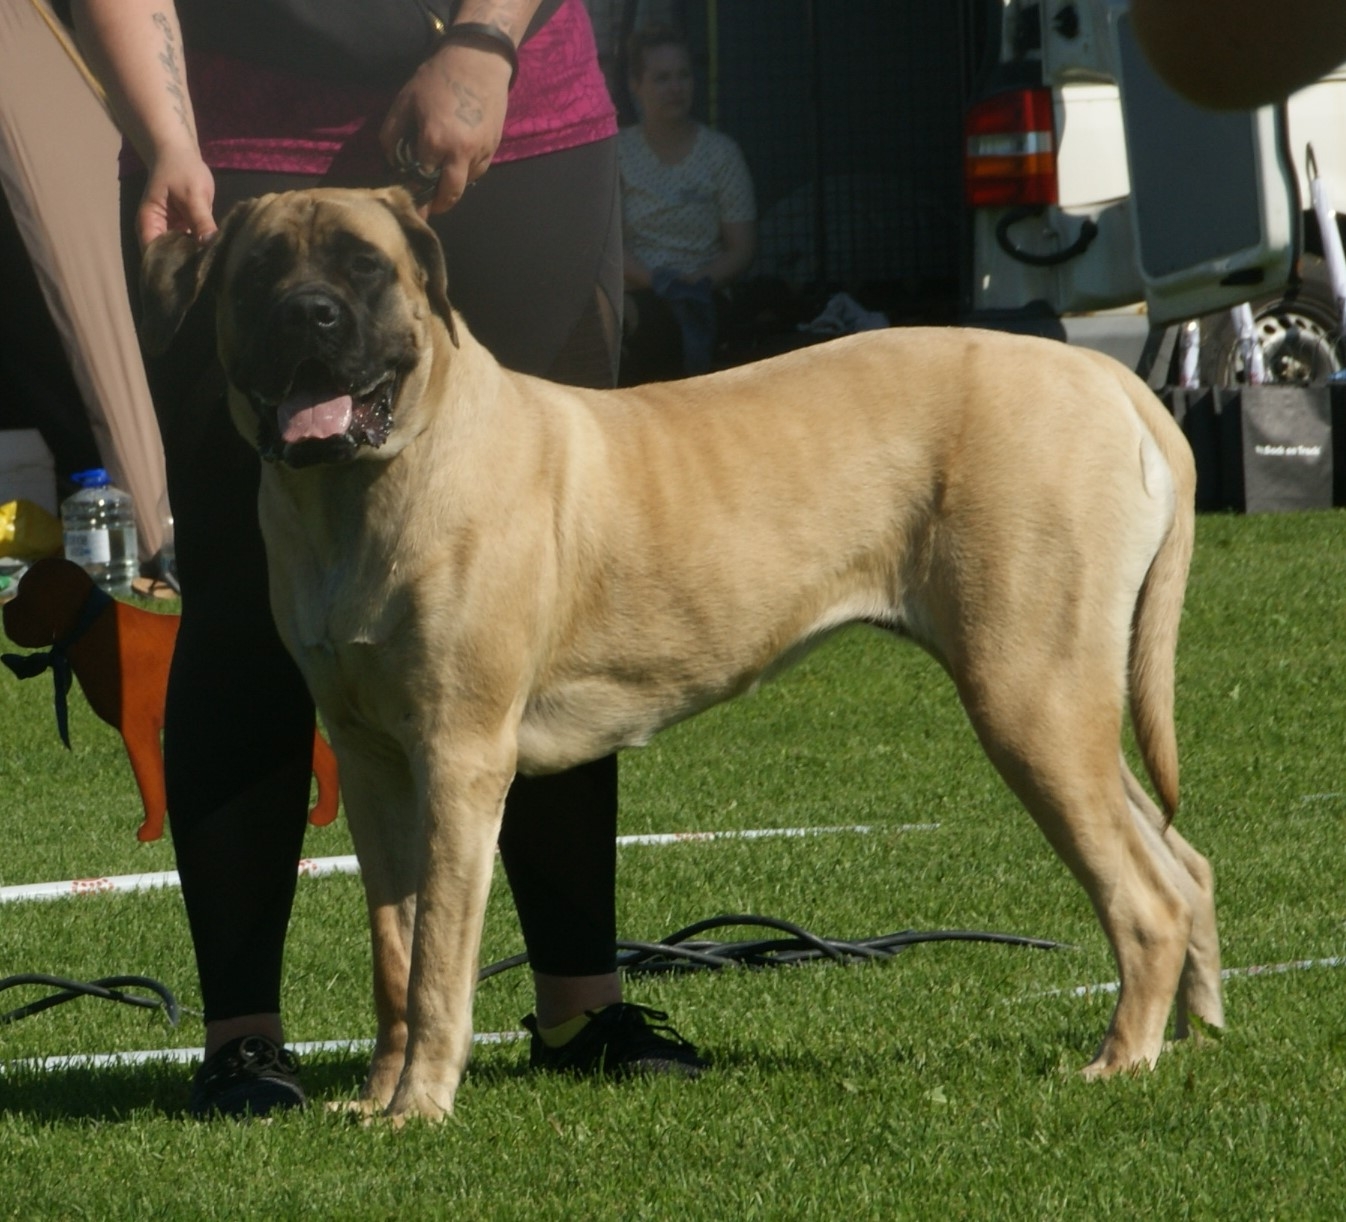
[{"x": 304, "y": 416}]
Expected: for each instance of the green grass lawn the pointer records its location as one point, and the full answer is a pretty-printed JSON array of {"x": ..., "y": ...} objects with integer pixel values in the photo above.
[{"x": 938, "y": 1084}]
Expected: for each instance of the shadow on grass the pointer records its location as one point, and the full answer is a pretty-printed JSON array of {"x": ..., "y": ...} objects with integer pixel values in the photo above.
[
  {"x": 107, "y": 1093},
  {"x": 123, "y": 1092},
  {"x": 120, "y": 1093}
]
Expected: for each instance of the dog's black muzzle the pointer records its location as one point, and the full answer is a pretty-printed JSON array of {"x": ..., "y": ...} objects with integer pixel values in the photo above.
[{"x": 315, "y": 350}]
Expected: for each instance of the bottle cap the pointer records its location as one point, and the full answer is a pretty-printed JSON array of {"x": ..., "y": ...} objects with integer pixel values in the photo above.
[{"x": 95, "y": 477}]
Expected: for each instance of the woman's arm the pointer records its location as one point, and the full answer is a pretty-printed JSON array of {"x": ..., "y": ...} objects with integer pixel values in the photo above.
[
  {"x": 738, "y": 242},
  {"x": 135, "y": 49},
  {"x": 734, "y": 196}
]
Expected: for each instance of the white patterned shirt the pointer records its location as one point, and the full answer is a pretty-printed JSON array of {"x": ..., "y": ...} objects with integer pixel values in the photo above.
[{"x": 671, "y": 214}]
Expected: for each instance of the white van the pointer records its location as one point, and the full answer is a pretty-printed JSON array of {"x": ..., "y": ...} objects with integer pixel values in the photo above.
[{"x": 1100, "y": 195}]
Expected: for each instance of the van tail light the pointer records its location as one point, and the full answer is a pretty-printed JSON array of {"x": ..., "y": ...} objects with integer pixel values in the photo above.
[{"x": 1010, "y": 155}]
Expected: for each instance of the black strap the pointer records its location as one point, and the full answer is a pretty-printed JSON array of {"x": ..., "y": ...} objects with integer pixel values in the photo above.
[
  {"x": 28, "y": 665},
  {"x": 447, "y": 10},
  {"x": 540, "y": 18}
]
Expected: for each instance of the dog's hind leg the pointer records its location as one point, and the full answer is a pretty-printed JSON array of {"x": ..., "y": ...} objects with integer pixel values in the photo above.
[
  {"x": 1199, "y": 991},
  {"x": 1053, "y": 735}
]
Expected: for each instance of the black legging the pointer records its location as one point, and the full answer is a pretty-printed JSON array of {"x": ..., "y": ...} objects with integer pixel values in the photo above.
[{"x": 534, "y": 260}]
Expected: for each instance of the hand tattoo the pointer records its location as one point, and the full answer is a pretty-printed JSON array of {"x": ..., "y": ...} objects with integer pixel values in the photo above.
[{"x": 469, "y": 108}]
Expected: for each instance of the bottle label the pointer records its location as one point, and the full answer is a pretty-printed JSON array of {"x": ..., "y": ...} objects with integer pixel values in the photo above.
[{"x": 86, "y": 547}]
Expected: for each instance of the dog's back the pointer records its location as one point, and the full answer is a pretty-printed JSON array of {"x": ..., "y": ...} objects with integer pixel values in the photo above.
[{"x": 746, "y": 515}]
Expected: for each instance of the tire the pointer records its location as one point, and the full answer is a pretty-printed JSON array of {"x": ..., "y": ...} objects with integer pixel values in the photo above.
[{"x": 1300, "y": 333}]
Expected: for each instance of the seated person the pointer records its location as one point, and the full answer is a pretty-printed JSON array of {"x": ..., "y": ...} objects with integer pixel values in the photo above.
[{"x": 689, "y": 220}]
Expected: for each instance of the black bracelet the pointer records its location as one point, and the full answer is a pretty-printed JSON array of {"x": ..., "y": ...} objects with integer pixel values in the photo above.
[{"x": 484, "y": 37}]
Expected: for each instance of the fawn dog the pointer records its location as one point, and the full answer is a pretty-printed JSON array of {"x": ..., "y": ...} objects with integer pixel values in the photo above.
[{"x": 482, "y": 573}]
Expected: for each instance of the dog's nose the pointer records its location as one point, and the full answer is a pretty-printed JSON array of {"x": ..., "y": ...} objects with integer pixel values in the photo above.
[{"x": 310, "y": 308}]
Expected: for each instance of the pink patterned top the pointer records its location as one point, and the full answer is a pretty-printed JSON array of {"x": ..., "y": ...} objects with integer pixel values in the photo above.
[{"x": 254, "y": 118}]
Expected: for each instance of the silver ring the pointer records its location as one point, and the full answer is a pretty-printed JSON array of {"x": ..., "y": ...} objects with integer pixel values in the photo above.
[{"x": 405, "y": 162}]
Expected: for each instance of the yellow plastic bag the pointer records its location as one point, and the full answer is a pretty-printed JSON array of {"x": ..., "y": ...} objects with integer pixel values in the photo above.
[{"x": 27, "y": 531}]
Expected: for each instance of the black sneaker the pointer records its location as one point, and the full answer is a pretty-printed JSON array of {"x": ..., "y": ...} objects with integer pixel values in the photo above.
[
  {"x": 620, "y": 1041},
  {"x": 249, "y": 1076}
]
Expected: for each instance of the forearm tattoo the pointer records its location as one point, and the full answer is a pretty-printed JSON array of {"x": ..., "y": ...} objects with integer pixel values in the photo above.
[{"x": 171, "y": 59}]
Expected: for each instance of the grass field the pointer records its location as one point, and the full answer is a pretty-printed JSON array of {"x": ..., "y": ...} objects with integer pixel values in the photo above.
[{"x": 938, "y": 1084}]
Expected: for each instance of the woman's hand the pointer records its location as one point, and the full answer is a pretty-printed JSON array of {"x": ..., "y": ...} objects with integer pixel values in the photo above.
[
  {"x": 451, "y": 115},
  {"x": 179, "y": 195}
]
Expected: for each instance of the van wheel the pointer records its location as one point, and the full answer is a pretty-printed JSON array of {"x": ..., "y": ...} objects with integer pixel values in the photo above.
[{"x": 1300, "y": 333}]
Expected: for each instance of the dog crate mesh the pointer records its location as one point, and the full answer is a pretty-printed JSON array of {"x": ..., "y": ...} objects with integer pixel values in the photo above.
[{"x": 849, "y": 113}]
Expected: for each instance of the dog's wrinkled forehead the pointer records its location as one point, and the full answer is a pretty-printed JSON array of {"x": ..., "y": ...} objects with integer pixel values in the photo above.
[{"x": 295, "y": 239}]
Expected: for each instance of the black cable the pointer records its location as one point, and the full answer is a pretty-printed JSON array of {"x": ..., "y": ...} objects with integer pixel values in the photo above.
[
  {"x": 1088, "y": 232},
  {"x": 680, "y": 953},
  {"x": 108, "y": 989},
  {"x": 677, "y": 953}
]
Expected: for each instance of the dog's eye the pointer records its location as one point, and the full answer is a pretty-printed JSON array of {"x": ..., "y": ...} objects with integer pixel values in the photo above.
[{"x": 364, "y": 265}]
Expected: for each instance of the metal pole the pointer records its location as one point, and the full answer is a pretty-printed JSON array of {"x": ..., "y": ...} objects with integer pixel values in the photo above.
[{"x": 1331, "y": 236}]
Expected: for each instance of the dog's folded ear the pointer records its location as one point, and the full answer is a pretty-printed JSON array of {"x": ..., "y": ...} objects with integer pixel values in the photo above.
[
  {"x": 173, "y": 272},
  {"x": 424, "y": 243}
]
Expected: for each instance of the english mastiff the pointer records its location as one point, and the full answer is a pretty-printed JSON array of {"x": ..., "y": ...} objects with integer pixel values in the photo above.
[{"x": 482, "y": 573}]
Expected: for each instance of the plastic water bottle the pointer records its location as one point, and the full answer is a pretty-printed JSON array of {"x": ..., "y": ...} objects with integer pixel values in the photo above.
[{"x": 100, "y": 531}]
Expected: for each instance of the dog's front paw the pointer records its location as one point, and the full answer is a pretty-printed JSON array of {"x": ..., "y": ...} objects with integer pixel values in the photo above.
[
  {"x": 365, "y": 1111},
  {"x": 1114, "y": 1057},
  {"x": 427, "y": 1101},
  {"x": 381, "y": 1084}
]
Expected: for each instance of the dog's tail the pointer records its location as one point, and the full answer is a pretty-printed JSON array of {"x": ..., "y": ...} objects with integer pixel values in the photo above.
[{"x": 1154, "y": 628}]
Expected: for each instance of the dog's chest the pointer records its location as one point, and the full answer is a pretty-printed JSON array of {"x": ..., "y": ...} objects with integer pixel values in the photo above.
[{"x": 346, "y": 627}]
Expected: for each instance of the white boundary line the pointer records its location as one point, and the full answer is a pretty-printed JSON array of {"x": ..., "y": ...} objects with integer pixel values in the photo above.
[
  {"x": 1228, "y": 973},
  {"x": 183, "y": 1056},
  {"x": 190, "y": 1055},
  {"x": 319, "y": 867}
]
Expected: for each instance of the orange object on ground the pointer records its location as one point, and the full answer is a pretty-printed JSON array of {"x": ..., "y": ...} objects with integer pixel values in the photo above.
[{"x": 120, "y": 654}]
